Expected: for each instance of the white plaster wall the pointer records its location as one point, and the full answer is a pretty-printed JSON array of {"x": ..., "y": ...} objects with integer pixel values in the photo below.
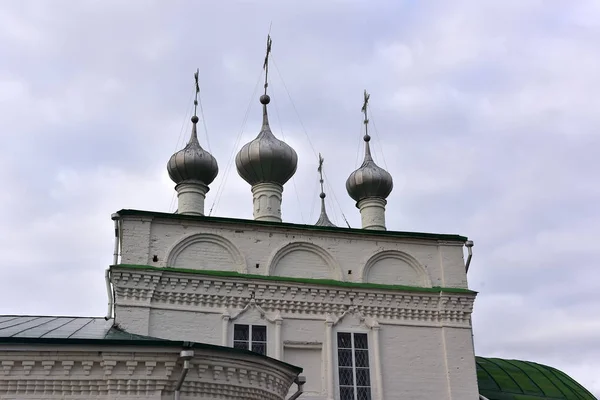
[
  {"x": 442, "y": 263},
  {"x": 413, "y": 363},
  {"x": 392, "y": 271},
  {"x": 185, "y": 325},
  {"x": 133, "y": 319},
  {"x": 303, "y": 263},
  {"x": 461, "y": 366},
  {"x": 416, "y": 362},
  {"x": 315, "y": 378}
]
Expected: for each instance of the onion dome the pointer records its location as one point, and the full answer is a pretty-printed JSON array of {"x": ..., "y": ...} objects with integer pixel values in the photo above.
[
  {"x": 193, "y": 162},
  {"x": 369, "y": 180},
  {"x": 266, "y": 159}
]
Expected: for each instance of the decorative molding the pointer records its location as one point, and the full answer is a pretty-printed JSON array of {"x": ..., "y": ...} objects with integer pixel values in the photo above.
[
  {"x": 56, "y": 374},
  {"x": 292, "y": 344},
  {"x": 368, "y": 322},
  {"x": 216, "y": 294},
  {"x": 425, "y": 279},
  {"x": 252, "y": 304},
  {"x": 288, "y": 248},
  {"x": 178, "y": 247}
]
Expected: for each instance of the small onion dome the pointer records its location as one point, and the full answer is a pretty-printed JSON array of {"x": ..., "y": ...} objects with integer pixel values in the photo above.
[
  {"x": 193, "y": 162},
  {"x": 369, "y": 180},
  {"x": 266, "y": 159}
]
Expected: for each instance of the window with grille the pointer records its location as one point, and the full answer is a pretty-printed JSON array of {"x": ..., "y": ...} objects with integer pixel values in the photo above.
[
  {"x": 353, "y": 366},
  {"x": 250, "y": 337}
]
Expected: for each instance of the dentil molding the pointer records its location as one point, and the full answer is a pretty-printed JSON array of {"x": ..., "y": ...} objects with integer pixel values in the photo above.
[{"x": 168, "y": 290}]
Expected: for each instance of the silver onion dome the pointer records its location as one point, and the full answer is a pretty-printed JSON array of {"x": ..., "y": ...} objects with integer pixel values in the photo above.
[
  {"x": 369, "y": 180},
  {"x": 266, "y": 159},
  {"x": 193, "y": 162}
]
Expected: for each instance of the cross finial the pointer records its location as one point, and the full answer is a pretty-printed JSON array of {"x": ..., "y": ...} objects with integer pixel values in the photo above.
[
  {"x": 197, "y": 91},
  {"x": 364, "y": 107},
  {"x": 320, "y": 169},
  {"x": 266, "y": 63}
]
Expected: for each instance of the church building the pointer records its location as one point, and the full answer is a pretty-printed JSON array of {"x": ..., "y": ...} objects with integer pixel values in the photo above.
[{"x": 204, "y": 307}]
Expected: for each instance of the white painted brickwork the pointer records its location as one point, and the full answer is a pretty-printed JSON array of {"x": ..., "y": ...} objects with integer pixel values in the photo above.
[
  {"x": 420, "y": 345},
  {"x": 37, "y": 372},
  {"x": 254, "y": 248}
]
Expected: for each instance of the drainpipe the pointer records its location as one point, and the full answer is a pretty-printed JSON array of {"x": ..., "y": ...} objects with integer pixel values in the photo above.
[
  {"x": 469, "y": 245},
  {"x": 300, "y": 381},
  {"x": 110, "y": 295},
  {"x": 115, "y": 217},
  {"x": 186, "y": 355}
]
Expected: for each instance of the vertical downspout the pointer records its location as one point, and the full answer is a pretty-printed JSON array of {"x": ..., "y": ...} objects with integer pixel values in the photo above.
[
  {"x": 186, "y": 355},
  {"x": 109, "y": 312},
  {"x": 469, "y": 245},
  {"x": 300, "y": 381}
]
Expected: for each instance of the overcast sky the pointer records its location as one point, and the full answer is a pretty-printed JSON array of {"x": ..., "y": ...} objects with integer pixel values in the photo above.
[{"x": 484, "y": 112}]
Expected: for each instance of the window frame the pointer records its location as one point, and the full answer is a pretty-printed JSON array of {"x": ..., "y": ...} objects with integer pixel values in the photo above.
[
  {"x": 250, "y": 340},
  {"x": 336, "y": 361}
]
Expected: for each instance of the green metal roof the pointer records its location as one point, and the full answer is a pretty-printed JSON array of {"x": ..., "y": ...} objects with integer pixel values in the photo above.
[
  {"x": 287, "y": 225},
  {"x": 501, "y": 379}
]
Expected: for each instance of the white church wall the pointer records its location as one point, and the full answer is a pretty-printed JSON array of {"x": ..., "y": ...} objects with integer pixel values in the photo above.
[
  {"x": 460, "y": 360},
  {"x": 294, "y": 252},
  {"x": 409, "y": 351},
  {"x": 185, "y": 325},
  {"x": 414, "y": 363}
]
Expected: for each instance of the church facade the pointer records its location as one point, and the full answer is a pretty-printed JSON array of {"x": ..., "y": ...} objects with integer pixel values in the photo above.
[{"x": 374, "y": 312}]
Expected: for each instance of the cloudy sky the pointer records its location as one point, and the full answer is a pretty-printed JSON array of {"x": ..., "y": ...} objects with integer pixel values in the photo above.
[{"x": 483, "y": 111}]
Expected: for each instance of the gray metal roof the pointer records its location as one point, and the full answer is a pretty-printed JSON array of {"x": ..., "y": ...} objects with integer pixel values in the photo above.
[
  {"x": 36, "y": 329},
  {"x": 51, "y": 327}
]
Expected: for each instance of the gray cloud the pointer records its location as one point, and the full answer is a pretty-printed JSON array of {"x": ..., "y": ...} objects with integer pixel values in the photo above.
[{"x": 482, "y": 111}]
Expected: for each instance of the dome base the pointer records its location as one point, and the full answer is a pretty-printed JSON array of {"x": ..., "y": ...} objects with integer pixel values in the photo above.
[
  {"x": 267, "y": 201},
  {"x": 190, "y": 197},
  {"x": 372, "y": 213}
]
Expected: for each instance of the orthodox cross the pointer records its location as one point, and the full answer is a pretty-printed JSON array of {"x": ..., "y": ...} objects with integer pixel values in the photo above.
[
  {"x": 320, "y": 169},
  {"x": 364, "y": 107},
  {"x": 266, "y": 63},
  {"x": 197, "y": 91}
]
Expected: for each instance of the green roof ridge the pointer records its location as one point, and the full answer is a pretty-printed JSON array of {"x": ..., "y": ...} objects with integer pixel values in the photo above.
[
  {"x": 367, "y": 232},
  {"x": 310, "y": 281}
]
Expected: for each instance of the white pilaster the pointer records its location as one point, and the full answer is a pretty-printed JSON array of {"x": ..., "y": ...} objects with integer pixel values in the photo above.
[
  {"x": 377, "y": 362},
  {"x": 372, "y": 213},
  {"x": 190, "y": 197},
  {"x": 267, "y": 201},
  {"x": 278, "y": 342},
  {"x": 329, "y": 356},
  {"x": 225, "y": 329}
]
